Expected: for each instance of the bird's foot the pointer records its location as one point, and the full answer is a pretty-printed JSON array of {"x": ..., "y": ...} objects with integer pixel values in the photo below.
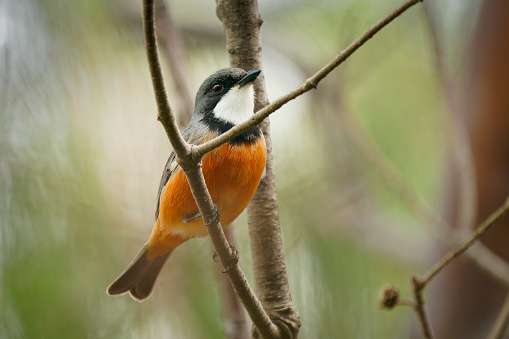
[
  {"x": 233, "y": 261},
  {"x": 214, "y": 217}
]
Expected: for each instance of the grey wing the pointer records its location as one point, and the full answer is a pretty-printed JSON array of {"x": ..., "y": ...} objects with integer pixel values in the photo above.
[
  {"x": 169, "y": 169},
  {"x": 195, "y": 137}
]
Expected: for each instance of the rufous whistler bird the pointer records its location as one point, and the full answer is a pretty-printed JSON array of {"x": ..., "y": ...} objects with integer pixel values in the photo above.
[{"x": 232, "y": 173}]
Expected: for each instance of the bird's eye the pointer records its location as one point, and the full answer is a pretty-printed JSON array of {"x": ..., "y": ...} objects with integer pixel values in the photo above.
[{"x": 217, "y": 88}]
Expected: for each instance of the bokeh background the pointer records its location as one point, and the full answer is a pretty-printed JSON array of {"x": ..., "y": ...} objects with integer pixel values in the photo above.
[{"x": 81, "y": 154}]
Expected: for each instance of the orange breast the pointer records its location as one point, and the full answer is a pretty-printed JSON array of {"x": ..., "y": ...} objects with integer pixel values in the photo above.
[{"x": 232, "y": 174}]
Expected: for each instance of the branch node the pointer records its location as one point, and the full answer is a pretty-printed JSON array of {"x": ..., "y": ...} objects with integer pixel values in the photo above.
[
  {"x": 234, "y": 258},
  {"x": 310, "y": 83},
  {"x": 418, "y": 284},
  {"x": 194, "y": 154}
]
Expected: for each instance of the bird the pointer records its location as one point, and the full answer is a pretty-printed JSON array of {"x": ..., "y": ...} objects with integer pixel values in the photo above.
[{"x": 232, "y": 174}]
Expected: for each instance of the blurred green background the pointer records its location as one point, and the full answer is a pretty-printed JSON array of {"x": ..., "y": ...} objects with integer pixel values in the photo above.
[{"x": 81, "y": 154}]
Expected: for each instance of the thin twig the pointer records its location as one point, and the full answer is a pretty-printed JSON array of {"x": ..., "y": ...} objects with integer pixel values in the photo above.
[
  {"x": 419, "y": 307},
  {"x": 406, "y": 302},
  {"x": 420, "y": 284},
  {"x": 501, "y": 325},
  {"x": 478, "y": 252},
  {"x": 309, "y": 84},
  {"x": 234, "y": 316},
  {"x": 486, "y": 225}
]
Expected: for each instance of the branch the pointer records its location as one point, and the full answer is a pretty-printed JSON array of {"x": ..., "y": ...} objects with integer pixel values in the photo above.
[
  {"x": 420, "y": 284},
  {"x": 486, "y": 225},
  {"x": 309, "y": 84},
  {"x": 190, "y": 166},
  {"x": 418, "y": 287},
  {"x": 234, "y": 315},
  {"x": 481, "y": 255}
]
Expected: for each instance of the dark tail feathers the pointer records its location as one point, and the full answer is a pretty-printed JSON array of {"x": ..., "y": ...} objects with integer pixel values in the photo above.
[{"x": 139, "y": 277}]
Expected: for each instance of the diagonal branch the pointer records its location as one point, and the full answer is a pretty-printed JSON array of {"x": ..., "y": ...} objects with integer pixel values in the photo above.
[
  {"x": 419, "y": 284},
  {"x": 486, "y": 225},
  {"x": 419, "y": 308},
  {"x": 309, "y": 84}
]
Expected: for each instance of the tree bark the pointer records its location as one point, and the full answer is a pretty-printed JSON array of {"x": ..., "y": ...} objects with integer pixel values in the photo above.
[{"x": 241, "y": 22}]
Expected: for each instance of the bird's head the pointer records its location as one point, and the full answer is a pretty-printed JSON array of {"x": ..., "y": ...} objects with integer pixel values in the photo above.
[{"x": 227, "y": 95}]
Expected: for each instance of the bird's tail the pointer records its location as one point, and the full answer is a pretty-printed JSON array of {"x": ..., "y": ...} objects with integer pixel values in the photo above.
[{"x": 140, "y": 276}]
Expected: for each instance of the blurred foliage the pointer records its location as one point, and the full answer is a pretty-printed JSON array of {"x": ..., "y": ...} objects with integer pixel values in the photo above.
[{"x": 81, "y": 154}]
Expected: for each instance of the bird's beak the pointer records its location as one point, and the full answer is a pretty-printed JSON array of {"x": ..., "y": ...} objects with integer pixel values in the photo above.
[{"x": 250, "y": 77}]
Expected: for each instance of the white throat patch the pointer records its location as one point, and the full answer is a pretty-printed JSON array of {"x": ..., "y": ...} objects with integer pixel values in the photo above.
[{"x": 237, "y": 105}]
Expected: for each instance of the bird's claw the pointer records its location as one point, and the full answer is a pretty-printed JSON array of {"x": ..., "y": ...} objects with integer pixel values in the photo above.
[
  {"x": 233, "y": 262},
  {"x": 215, "y": 217}
]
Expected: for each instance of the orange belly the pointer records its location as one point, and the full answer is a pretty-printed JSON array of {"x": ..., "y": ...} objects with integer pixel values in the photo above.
[{"x": 232, "y": 174}]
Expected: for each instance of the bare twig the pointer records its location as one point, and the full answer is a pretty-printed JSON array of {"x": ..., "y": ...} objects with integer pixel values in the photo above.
[
  {"x": 309, "y": 84},
  {"x": 235, "y": 321},
  {"x": 486, "y": 225},
  {"x": 478, "y": 252},
  {"x": 420, "y": 284},
  {"x": 419, "y": 307},
  {"x": 499, "y": 329}
]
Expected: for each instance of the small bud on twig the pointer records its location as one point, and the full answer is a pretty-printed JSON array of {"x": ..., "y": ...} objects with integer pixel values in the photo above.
[{"x": 388, "y": 297}]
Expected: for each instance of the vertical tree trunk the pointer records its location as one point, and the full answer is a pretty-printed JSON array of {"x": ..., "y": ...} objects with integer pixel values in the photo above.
[{"x": 242, "y": 22}]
